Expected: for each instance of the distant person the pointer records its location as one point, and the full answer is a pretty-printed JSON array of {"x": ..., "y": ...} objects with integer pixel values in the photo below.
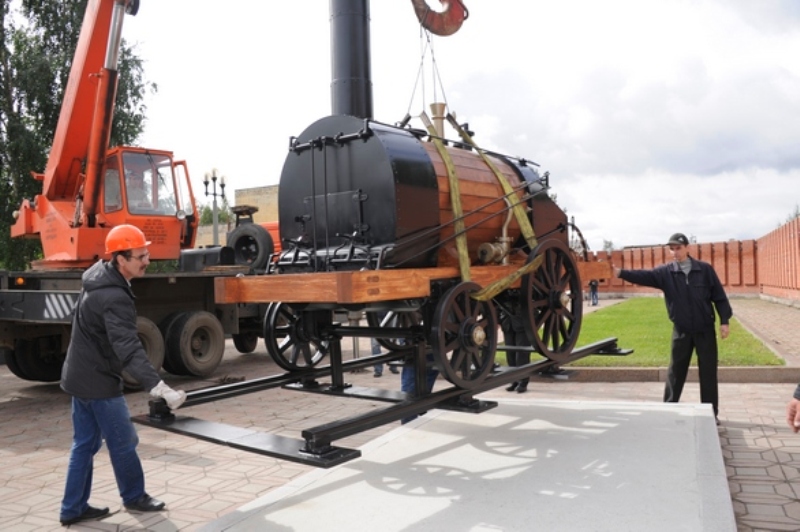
[
  {"x": 408, "y": 380},
  {"x": 593, "y": 284},
  {"x": 514, "y": 336},
  {"x": 105, "y": 343},
  {"x": 793, "y": 411},
  {"x": 378, "y": 368},
  {"x": 692, "y": 291}
]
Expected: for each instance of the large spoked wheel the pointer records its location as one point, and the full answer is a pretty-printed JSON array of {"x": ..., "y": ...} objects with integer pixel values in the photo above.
[
  {"x": 291, "y": 338},
  {"x": 551, "y": 301},
  {"x": 464, "y": 336},
  {"x": 153, "y": 343},
  {"x": 394, "y": 320},
  {"x": 195, "y": 343}
]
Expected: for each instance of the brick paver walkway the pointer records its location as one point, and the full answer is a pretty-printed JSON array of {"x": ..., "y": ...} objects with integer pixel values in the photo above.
[{"x": 201, "y": 481}]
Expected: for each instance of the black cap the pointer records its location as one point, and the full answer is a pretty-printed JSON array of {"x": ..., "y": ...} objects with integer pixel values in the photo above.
[{"x": 678, "y": 239}]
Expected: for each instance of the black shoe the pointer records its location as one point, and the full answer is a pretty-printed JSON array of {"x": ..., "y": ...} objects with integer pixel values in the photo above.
[
  {"x": 376, "y": 374},
  {"x": 145, "y": 504},
  {"x": 394, "y": 370},
  {"x": 90, "y": 513},
  {"x": 513, "y": 386},
  {"x": 522, "y": 388}
]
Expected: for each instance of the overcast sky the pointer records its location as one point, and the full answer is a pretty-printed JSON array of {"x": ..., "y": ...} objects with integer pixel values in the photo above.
[{"x": 651, "y": 116}]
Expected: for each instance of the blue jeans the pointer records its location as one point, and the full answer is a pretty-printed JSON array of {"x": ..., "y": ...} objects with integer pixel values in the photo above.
[
  {"x": 95, "y": 420},
  {"x": 376, "y": 350},
  {"x": 408, "y": 381}
]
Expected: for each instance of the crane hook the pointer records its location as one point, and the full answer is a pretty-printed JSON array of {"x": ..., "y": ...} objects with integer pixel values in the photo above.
[{"x": 443, "y": 23}]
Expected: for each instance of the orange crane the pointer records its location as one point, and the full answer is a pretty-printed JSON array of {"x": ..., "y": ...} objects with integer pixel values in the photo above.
[{"x": 87, "y": 188}]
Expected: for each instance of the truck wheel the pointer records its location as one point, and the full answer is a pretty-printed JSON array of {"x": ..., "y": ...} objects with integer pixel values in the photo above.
[
  {"x": 40, "y": 358},
  {"x": 245, "y": 342},
  {"x": 172, "y": 360},
  {"x": 252, "y": 246},
  {"x": 12, "y": 364},
  {"x": 153, "y": 344},
  {"x": 199, "y": 338}
]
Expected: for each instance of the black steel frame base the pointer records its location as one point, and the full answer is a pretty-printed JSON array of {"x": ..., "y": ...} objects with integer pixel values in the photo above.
[
  {"x": 315, "y": 448},
  {"x": 274, "y": 445}
]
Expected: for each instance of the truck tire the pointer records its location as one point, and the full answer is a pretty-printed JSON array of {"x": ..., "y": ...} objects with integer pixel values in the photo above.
[
  {"x": 12, "y": 364},
  {"x": 172, "y": 361},
  {"x": 252, "y": 246},
  {"x": 40, "y": 359},
  {"x": 245, "y": 342},
  {"x": 199, "y": 339},
  {"x": 153, "y": 343}
]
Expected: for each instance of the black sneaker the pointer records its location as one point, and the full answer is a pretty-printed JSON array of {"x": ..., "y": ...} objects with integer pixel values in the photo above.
[
  {"x": 145, "y": 504},
  {"x": 90, "y": 513}
]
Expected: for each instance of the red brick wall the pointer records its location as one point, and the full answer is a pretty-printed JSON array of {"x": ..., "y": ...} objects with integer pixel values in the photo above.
[
  {"x": 768, "y": 266},
  {"x": 734, "y": 261},
  {"x": 778, "y": 257}
]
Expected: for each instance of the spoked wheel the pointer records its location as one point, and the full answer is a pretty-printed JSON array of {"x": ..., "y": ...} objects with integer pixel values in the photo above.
[
  {"x": 551, "y": 301},
  {"x": 291, "y": 338},
  {"x": 464, "y": 336},
  {"x": 394, "y": 320}
]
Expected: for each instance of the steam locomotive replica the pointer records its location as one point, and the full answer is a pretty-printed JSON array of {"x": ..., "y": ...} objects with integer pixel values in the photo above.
[{"x": 432, "y": 238}]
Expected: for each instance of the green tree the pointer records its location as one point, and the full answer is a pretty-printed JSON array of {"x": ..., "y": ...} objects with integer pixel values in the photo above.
[
  {"x": 224, "y": 213},
  {"x": 38, "y": 42},
  {"x": 608, "y": 246},
  {"x": 795, "y": 214}
]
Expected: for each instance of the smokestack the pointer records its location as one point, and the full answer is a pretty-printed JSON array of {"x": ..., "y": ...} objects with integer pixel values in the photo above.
[{"x": 351, "y": 77}]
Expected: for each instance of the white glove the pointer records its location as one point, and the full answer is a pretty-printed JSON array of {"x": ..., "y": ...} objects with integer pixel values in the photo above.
[{"x": 174, "y": 398}]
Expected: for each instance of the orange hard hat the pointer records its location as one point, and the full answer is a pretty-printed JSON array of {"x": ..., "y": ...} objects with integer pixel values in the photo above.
[{"x": 125, "y": 237}]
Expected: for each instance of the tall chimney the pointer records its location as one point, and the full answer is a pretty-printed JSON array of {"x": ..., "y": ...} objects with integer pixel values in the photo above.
[{"x": 351, "y": 77}]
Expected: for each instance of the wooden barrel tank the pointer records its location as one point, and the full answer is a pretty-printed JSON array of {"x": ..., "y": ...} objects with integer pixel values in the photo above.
[{"x": 357, "y": 194}]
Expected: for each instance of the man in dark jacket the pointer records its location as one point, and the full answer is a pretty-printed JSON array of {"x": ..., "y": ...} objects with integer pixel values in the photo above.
[
  {"x": 104, "y": 342},
  {"x": 690, "y": 289}
]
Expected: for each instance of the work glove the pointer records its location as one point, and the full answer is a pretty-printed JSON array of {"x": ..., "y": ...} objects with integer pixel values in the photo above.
[{"x": 174, "y": 398}]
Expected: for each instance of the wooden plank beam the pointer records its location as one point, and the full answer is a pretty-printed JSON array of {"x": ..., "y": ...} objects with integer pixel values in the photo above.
[{"x": 345, "y": 287}]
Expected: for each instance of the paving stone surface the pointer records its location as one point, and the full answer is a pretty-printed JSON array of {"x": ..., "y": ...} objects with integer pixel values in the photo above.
[{"x": 201, "y": 481}]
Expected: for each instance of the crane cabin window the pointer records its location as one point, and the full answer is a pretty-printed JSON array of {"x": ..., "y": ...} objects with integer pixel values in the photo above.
[
  {"x": 149, "y": 184},
  {"x": 112, "y": 191}
]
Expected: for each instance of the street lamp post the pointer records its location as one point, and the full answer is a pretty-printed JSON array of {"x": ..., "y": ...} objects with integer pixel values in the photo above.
[{"x": 214, "y": 195}]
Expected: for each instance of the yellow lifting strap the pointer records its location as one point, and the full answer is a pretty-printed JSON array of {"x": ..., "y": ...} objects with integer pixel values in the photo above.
[
  {"x": 493, "y": 289},
  {"x": 455, "y": 199},
  {"x": 519, "y": 211}
]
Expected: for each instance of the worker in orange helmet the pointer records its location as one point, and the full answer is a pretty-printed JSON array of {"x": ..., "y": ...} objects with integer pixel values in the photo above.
[{"x": 105, "y": 343}]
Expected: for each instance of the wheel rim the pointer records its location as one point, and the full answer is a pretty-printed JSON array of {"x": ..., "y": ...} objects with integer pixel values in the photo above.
[
  {"x": 291, "y": 338},
  {"x": 195, "y": 343},
  {"x": 551, "y": 301},
  {"x": 464, "y": 336}
]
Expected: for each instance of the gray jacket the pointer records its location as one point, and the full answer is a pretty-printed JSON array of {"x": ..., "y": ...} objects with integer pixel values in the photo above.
[{"x": 104, "y": 340}]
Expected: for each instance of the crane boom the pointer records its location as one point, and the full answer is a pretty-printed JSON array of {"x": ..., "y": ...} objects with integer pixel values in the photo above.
[{"x": 88, "y": 188}]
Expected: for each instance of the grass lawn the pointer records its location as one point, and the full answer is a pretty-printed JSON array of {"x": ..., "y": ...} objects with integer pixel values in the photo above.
[{"x": 642, "y": 324}]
